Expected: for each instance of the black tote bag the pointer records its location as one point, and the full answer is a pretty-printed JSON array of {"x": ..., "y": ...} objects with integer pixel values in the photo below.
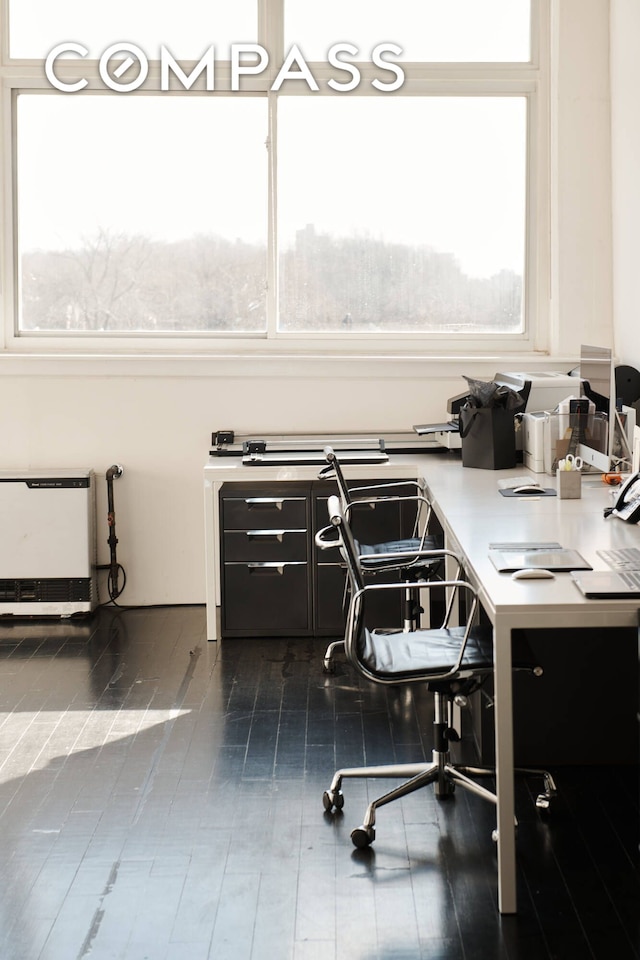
[{"x": 488, "y": 437}]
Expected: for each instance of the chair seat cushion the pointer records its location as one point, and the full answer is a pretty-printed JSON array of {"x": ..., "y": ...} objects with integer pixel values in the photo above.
[
  {"x": 419, "y": 653},
  {"x": 368, "y": 552}
]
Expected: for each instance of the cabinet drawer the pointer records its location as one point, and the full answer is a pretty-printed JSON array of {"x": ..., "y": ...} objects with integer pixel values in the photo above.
[
  {"x": 329, "y": 599},
  {"x": 274, "y": 544},
  {"x": 264, "y": 512},
  {"x": 266, "y": 598}
]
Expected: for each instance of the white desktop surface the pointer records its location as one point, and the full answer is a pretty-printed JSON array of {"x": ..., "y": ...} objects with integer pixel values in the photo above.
[{"x": 474, "y": 514}]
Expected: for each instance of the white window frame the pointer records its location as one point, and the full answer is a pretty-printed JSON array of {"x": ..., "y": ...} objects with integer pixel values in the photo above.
[{"x": 529, "y": 80}]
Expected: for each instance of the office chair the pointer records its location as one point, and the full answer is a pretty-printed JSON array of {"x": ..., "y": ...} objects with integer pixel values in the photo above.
[
  {"x": 452, "y": 661},
  {"x": 391, "y": 555}
]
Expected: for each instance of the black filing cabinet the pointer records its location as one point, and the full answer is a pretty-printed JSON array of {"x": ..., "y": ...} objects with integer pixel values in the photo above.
[
  {"x": 266, "y": 559},
  {"x": 275, "y": 581}
]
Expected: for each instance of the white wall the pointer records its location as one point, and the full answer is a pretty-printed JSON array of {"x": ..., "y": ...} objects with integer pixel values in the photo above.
[
  {"x": 155, "y": 416},
  {"x": 158, "y": 421},
  {"x": 581, "y": 284},
  {"x": 625, "y": 136}
]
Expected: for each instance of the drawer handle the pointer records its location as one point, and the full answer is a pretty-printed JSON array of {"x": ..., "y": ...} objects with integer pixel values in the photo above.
[
  {"x": 266, "y": 535},
  {"x": 270, "y": 567},
  {"x": 266, "y": 569},
  {"x": 257, "y": 502}
]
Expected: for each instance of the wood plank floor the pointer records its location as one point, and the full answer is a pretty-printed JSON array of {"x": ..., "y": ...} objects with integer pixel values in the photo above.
[{"x": 161, "y": 798}]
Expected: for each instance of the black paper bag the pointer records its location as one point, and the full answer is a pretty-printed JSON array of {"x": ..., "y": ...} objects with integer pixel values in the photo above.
[{"x": 488, "y": 437}]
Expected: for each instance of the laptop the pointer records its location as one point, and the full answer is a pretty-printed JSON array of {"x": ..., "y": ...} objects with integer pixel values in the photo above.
[{"x": 608, "y": 584}]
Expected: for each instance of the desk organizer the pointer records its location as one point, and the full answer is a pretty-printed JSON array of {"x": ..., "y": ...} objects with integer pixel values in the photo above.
[{"x": 569, "y": 484}]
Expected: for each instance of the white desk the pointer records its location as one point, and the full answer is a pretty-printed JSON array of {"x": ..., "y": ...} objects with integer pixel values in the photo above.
[{"x": 474, "y": 514}]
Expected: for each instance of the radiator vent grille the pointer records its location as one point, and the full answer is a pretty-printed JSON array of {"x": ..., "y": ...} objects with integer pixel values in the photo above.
[{"x": 63, "y": 590}]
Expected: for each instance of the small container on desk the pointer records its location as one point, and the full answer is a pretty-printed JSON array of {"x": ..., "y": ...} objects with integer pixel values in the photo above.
[{"x": 569, "y": 484}]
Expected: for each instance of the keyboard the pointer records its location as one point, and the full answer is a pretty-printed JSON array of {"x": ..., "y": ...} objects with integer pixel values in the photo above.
[
  {"x": 630, "y": 577},
  {"x": 623, "y": 558}
]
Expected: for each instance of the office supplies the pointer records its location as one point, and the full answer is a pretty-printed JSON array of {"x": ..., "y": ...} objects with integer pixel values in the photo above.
[
  {"x": 569, "y": 478},
  {"x": 570, "y": 463},
  {"x": 608, "y": 584},
  {"x": 506, "y": 561},
  {"x": 533, "y": 573},
  {"x": 297, "y": 449},
  {"x": 258, "y": 458}
]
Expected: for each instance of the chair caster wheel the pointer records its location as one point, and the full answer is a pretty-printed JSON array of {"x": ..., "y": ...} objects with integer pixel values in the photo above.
[
  {"x": 362, "y": 837},
  {"x": 333, "y": 799}
]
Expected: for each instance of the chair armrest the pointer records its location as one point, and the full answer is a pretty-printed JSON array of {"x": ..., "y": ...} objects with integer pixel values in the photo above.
[
  {"x": 455, "y": 586},
  {"x": 389, "y": 486},
  {"x": 372, "y": 501},
  {"x": 323, "y": 539}
]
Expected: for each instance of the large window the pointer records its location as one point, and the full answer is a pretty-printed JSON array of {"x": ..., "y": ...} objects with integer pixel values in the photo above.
[
  {"x": 149, "y": 214},
  {"x": 402, "y": 215},
  {"x": 352, "y": 170}
]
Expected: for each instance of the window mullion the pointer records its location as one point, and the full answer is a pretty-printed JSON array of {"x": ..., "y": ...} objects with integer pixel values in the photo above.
[{"x": 272, "y": 218}]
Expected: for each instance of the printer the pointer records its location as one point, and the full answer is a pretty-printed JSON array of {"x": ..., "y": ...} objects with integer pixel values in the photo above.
[
  {"x": 540, "y": 391},
  {"x": 546, "y": 389}
]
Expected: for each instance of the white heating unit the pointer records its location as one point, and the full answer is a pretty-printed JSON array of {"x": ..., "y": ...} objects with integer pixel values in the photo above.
[{"x": 47, "y": 543}]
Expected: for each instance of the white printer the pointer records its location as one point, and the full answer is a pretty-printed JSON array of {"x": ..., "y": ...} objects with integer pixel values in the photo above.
[{"x": 547, "y": 390}]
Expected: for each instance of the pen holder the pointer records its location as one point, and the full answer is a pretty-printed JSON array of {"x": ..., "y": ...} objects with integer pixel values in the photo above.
[{"x": 569, "y": 484}]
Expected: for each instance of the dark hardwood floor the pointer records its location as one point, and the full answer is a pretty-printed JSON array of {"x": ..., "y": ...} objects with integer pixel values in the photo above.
[{"x": 161, "y": 798}]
